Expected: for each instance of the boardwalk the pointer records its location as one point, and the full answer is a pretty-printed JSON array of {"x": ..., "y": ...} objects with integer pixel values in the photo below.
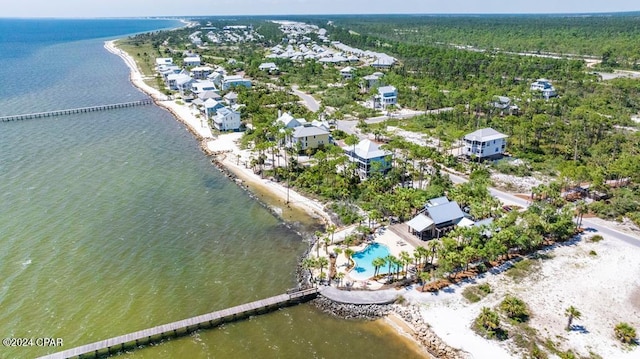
[
  {"x": 185, "y": 326},
  {"x": 72, "y": 111}
]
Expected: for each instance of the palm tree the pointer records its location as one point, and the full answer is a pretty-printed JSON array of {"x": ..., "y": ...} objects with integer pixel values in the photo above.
[
  {"x": 582, "y": 209},
  {"x": 515, "y": 308},
  {"x": 331, "y": 229},
  {"x": 488, "y": 319},
  {"x": 391, "y": 260},
  {"x": 348, "y": 253},
  {"x": 425, "y": 277},
  {"x": 625, "y": 332},
  {"x": 316, "y": 237},
  {"x": 339, "y": 277},
  {"x": 309, "y": 264},
  {"x": 405, "y": 259},
  {"x": 377, "y": 264},
  {"x": 326, "y": 245},
  {"x": 322, "y": 262},
  {"x": 572, "y": 312}
]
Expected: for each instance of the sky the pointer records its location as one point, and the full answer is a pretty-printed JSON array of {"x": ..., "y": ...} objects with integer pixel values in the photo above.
[{"x": 143, "y": 8}]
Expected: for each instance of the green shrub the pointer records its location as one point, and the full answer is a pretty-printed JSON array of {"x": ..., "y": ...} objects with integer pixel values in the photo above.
[
  {"x": 515, "y": 308},
  {"x": 625, "y": 333},
  {"x": 596, "y": 238},
  {"x": 487, "y": 323}
]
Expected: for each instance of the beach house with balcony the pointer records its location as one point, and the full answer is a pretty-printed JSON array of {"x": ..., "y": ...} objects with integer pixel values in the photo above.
[
  {"x": 191, "y": 60},
  {"x": 201, "y": 72},
  {"x": 347, "y": 73},
  {"x": 485, "y": 143},
  {"x": 369, "y": 157},
  {"x": 226, "y": 119},
  {"x": 308, "y": 137},
  {"x": 545, "y": 87},
  {"x": 386, "y": 96}
]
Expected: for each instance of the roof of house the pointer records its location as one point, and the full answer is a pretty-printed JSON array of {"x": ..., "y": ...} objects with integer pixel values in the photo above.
[
  {"x": 347, "y": 69},
  {"x": 231, "y": 96},
  {"x": 367, "y": 149},
  {"x": 437, "y": 201},
  {"x": 224, "y": 112},
  {"x": 446, "y": 212},
  {"x": 211, "y": 103},
  {"x": 208, "y": 94},
  {"x": 387, "y": 89},
  {"x": 288, "y": 120},
  {"x": 267, "y": 65},
  {"x": 485, "y": 134},
  {"x": 420, "y": 222},
  {"x": 306, "y": 131},
  {"x": 466, "y": 222}
]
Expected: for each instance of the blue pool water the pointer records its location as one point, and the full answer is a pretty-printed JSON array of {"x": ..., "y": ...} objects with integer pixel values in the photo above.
[{"x": 364, "y": 269}]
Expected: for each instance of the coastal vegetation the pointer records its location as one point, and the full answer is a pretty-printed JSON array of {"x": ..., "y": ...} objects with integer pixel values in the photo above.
[
  {"x": 625, "y": 333},
  {"x": 608, "y": 37}
]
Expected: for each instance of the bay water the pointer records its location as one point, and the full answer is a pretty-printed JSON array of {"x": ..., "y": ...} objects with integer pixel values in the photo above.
[{"x": 115, "y": 221}]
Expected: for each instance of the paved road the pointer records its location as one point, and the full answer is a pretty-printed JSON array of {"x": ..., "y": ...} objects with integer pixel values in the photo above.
[
  {"x": 509, "y": 198},
  {"x": 311, "y": 103}
]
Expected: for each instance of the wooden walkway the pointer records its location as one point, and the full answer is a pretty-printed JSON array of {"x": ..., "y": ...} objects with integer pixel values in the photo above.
[
  {"x": 186, "y": 326},
  {"x": 72, "y": 111}
]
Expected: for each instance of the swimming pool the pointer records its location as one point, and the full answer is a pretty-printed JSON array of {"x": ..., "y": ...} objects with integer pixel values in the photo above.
[{"x": 364, "y": 269}]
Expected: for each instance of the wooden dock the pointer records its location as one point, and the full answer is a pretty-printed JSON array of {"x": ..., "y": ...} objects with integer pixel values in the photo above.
[
  {"x": 71, "y": 111},
  {"x": 186, "y": 326}
]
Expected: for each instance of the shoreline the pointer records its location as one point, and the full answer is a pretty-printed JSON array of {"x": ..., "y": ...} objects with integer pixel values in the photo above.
[
  {"x": 202, "y": 132},
  {"x": 300, "y": 210}
]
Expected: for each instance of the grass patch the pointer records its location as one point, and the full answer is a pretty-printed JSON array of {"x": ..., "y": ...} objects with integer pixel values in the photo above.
[
  {"x": 522, "y": 268},
  {"x": 595, "y": 239},
  {"x": 143, "y": 53},
  {"x": 593, "y": 253},
  {"x": 475, "y": 293}
]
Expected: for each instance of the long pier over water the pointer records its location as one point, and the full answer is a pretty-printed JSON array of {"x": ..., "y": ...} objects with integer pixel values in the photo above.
[
  {"x": 186, "y": 326},
  {"x": 72, "y": 111}
]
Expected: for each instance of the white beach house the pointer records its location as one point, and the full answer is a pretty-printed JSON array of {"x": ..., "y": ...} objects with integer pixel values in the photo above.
[
  {"x": 387, "y": 96},
  {"x": 227, "y": 119},
  {"x": 485, "y": 143},
  {"x": 544, "y": 86}
]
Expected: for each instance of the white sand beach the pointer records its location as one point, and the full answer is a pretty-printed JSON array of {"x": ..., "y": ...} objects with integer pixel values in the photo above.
[
  {"x": 182, "y": 112},
  {"x": 604, "y": 287}
]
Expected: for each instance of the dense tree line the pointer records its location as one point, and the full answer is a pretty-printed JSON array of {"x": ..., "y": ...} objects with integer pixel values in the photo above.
[{"x": 611, "y": 38}]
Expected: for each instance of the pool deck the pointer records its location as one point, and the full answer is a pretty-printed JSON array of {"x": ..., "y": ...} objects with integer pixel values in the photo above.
[{"x": 394, "y": 242}]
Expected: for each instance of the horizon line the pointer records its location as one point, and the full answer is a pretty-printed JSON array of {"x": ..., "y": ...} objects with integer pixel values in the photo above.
[{"x": 172, "y": 17}]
